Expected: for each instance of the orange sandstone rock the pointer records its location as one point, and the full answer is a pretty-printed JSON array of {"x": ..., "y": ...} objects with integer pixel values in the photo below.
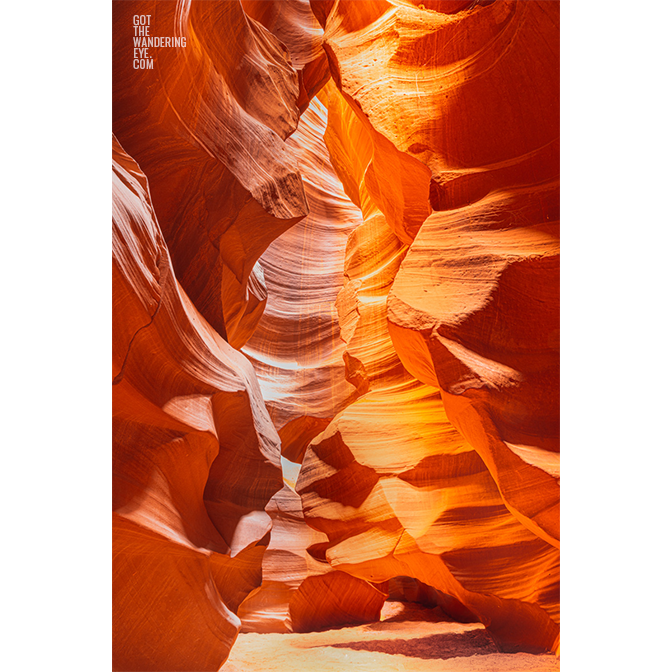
[
  {"x": 482, "y": 324},
  {"x": 472, "y": 309},
  {"x": 482, "y": 115},
  {"x": 300, "y": 592},
  {"x": 402, "y": 237},
  {"x": 428, "y": 509},
  {"x": 167, "y": 613},
  {"x": 307, "y": 376},
  {"x": 471, "y": 95},
  {"x": 207, "y": 125},
  {"x": 296, "y": 349},
  {"x": 286, "y": 565},
  {"x": 183, "y": 401},
  {"x": 295, "y": 25}
]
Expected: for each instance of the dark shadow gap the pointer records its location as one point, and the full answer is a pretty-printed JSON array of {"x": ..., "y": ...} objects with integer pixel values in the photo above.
[{"x": 451, "y": 645}]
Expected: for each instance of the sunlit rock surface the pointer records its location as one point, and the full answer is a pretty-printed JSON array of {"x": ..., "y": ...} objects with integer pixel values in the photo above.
[
  {"x": 208, "y": 125},
  {"x": 297, "y": 350},
  {"x": 428, "y": 509},
  {"x": 295, "y": 25},
  {"x": 336, "y": 321},
  {"x": 481, "y": 322},
  {"x": 195, "y": 457},
  {"x": 300, "y": 591},
  {"x": 475, "y": 308},
  {"x": 305, "y": 373},
  {"x": 472, "y": 310}
]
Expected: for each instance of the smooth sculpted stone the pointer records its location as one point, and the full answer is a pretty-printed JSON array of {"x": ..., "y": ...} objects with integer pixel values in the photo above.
[
  {"x": 300, "y": 591},
  {"x": 474, "y": 311},
  {"x": 307, "y": 375},
  {"x": 428, "y": 509},
  {"x": 208, "y": 124},
  {"x": 296, "y": 350},
  {"x": 188, "y": 534},
  {"x": 295, "y": 25},
  {"x": 460, "y": 103},
  {"x": 469, "y": 287},
  {"x": 464, "y": 96},
  {"x": 336, "y": 321}
]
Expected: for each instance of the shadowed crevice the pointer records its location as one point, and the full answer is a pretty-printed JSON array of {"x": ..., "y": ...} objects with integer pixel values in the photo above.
[{"x": 451, "y": 645}]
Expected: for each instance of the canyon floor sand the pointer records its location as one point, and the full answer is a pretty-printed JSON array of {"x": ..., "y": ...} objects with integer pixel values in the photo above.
[{"x": 407, "y": 639}]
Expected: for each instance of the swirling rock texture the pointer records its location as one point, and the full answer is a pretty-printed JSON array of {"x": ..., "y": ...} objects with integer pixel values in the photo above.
[
  {"x": 297, "y": 349},
  {"x": 221, "y": 109},
  {"x": 188, "y": 423},
  {"x": 336, "y": 321}
]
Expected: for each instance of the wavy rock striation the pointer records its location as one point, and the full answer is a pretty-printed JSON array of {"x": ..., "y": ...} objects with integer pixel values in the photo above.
[
  {"x": 336, "y": 321},
  {"x": 296, "y": 349},
  {"x": 295, "y": 25},
  {"x": 305, "y": 373},
  {"x": 471, "y": 308},
  {"x": 475, "y": 307},
  {"x": 208, "y": 126},
  {"x": 186, "y": 407}
]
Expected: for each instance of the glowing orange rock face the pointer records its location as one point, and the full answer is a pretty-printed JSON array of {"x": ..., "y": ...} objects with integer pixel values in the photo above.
[
  {"x": 471, "y": 309},
  {"x": 360, "y": 276},
  {"x": 307, "y": 376},
  {"x": 297, "y": 348},
  {"x": 474, "y": 309},
  {"x": 409, "y": 497},
  {"x": 295, "y": 25},
  {"x": 184, "y": 401},
  {"x": 300, "y": 591},
  {"x": 208, "y": 125},
  {"x": 485, "y": 330}
]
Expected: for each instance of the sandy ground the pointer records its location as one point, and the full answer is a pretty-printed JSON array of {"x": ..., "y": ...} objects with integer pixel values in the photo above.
[{"x": 408, "y": 639}]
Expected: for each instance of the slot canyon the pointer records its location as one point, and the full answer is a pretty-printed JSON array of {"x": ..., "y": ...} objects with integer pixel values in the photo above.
[{"x": 336, "y": 334}]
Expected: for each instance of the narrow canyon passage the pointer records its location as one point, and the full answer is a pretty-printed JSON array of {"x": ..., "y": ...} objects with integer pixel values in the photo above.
[{"x": 336, "y": 337}]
